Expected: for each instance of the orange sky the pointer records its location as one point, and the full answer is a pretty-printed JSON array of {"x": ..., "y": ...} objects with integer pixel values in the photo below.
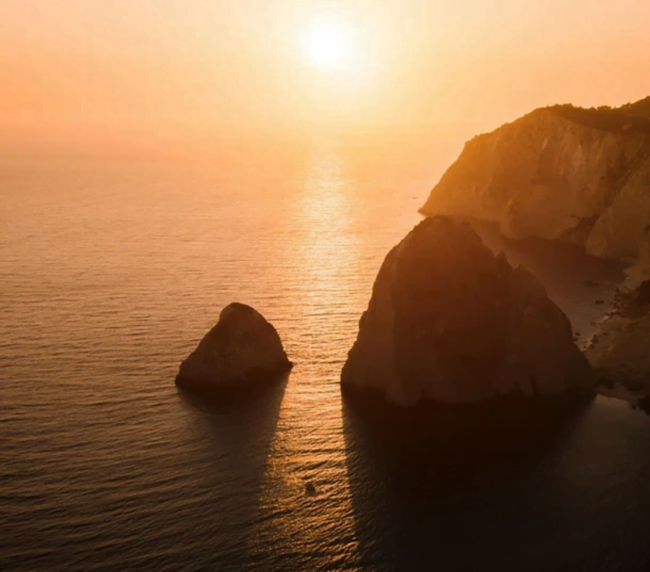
[{"x": 104, "y": 70}]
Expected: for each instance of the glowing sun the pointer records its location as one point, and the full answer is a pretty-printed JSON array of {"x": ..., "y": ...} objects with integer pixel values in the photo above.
[{"x": 326, "y": 45}]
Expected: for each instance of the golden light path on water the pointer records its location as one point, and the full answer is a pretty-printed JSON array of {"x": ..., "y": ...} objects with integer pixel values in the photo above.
[
  {"x": 112, "y": 272},
  {"x": 305, "y": 448}
]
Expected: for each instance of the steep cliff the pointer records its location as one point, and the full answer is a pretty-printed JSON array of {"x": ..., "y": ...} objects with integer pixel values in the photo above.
[{"x": 561, "y": 172}]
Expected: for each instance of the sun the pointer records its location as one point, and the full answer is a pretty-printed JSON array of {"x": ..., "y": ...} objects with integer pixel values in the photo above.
[{"x": 327, "y": 46}]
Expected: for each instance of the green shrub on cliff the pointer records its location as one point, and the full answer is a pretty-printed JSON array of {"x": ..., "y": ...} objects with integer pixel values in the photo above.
[{"x": 632, "y": 116}]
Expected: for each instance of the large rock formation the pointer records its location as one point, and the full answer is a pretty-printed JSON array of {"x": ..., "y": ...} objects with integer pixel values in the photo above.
[
  {"x": 580, "y": 175},
  {"x": 450, "y": 322},
  {"x": 241, "y": 352}
]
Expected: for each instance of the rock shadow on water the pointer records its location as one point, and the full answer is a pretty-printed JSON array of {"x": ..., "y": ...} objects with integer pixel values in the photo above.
[
  {"x": 234, "y": 441},
  {"x": 224, "y": 398},
  {"x": 440, "y": 487},
  {"x": 559, "y": 263},
  {"x": 503, "y": 427},
  {"x": 573, "y": 278}
]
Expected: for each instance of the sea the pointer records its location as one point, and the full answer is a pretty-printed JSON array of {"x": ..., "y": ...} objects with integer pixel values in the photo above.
[{"x": 112, "y": 270}]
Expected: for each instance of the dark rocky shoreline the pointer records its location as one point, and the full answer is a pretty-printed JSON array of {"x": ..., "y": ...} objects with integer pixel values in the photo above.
[{"x": 618, "y": 350}]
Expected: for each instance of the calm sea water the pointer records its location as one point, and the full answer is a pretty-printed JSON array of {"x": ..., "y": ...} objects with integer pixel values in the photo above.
[{"x": 110, "y": 273}]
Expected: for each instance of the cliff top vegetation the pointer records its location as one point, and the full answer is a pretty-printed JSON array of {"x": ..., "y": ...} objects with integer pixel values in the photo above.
[{"x": 632, "y": 116}]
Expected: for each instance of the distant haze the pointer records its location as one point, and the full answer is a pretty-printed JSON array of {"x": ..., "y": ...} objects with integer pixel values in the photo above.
[{"x": 159, "y": 75}]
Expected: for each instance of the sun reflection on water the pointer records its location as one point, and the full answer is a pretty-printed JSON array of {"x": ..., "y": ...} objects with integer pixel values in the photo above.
[
  {"x": 309, "y": 427},
  {"x": 330, "y": 248},
  {"x": 105, "y": 297}
]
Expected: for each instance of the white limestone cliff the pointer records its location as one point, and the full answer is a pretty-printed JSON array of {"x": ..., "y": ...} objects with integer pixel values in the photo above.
[{"x": 581, "y": 176}]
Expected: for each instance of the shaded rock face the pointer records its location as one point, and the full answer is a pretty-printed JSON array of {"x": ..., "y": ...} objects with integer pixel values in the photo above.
[
  {"x": 551, "y": 176},
  {"x": 242, "y": 350},
  {"x": 450, "y": 322}
]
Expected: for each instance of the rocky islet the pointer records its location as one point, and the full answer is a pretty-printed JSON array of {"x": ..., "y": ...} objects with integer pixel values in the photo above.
[
  {"x": 240, "y": 354},
  {"x": 450, "y": 322}
]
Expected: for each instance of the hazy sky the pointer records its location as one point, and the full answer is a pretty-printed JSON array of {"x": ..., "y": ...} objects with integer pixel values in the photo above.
[{"x": 109, "y": 67}]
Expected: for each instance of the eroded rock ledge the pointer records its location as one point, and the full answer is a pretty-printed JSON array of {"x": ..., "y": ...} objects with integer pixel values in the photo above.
[
  {"x": 240, "y": 355},
  {"x": 451, "y": 323}
]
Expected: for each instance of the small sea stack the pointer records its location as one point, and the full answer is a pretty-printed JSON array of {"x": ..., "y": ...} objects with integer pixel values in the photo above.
[
  {"x": 241, "y": 355},
  {"x": 450, "y": 323}
]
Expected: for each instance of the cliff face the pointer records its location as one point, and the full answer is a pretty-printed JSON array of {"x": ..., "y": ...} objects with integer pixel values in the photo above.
[
  {"x": 559, "y": 173},
  {"x": 450, "y": 322}
]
